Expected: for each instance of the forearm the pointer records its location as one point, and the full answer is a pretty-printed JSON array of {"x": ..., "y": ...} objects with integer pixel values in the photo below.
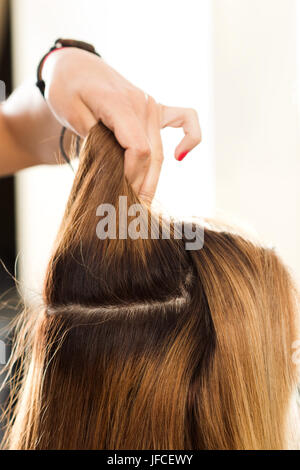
[{"x": 29, "y": 132}]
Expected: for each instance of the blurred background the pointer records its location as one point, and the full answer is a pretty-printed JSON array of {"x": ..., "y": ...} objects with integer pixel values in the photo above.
[{"x": 236, "y": 61}]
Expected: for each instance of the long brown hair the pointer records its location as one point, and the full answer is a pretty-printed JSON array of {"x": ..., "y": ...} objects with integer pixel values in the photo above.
[{"x": 142, "y": 344}]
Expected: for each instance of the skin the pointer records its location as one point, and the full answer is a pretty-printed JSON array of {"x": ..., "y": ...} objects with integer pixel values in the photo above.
[{"x": 82, "y": 89}]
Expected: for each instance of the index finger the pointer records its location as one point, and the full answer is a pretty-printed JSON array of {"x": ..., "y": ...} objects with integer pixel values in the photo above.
[{"x": 187, "y": 118}]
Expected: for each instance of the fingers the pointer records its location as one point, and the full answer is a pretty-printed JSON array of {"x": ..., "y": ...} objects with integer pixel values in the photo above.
[
  {"x": 132, "y": 137},
  {"x": 140, "y": 136},
  {"x": 148, "y": 188},
  {"x": 137, "y": 129},
  {"x": 187, "y": 118}
]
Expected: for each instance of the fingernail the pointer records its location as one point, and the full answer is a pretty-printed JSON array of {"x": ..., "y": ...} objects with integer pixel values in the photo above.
[{"x": 182, "y": 155}]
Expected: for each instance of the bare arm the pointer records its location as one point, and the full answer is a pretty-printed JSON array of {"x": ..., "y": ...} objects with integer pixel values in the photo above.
[{"x": 29, "y": 132}]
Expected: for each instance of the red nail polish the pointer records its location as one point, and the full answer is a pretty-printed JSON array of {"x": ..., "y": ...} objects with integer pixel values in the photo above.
[{"x": 182, "y": 155}]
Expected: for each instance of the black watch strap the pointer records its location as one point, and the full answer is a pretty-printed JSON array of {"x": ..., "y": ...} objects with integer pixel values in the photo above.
[{"x": 59, "y": 44}]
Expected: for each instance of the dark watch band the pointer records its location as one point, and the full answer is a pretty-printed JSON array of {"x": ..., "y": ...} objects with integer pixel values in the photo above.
[{"x": 59, "y": 44}]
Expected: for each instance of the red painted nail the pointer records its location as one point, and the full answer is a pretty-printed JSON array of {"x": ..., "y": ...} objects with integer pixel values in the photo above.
[{"x": 182, "y": 155}]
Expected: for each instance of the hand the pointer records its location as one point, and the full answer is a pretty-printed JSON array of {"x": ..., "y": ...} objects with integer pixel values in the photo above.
[{"x": 82, "y": 89}]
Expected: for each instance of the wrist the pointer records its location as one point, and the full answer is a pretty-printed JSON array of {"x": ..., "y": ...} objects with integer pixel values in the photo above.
[
  {"x": 46, "y": 59},
  {"x": 58, "y": 46},
  {"x": 52, "y": 59}
]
